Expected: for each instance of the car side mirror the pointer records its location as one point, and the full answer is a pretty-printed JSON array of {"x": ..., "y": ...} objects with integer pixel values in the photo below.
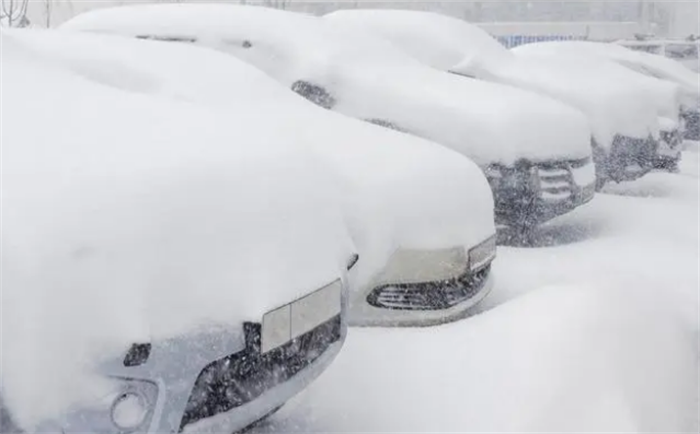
[{"x": 314, "y": 93}]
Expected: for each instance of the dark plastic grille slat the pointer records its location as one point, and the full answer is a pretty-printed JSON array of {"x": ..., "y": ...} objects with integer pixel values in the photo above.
[{"x": 429, "y": 296}]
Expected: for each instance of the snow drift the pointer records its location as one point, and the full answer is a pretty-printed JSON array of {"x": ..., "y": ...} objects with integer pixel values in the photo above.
[
  {"x": 128, "y": 218},
  {"x": 601, "y": 356}
]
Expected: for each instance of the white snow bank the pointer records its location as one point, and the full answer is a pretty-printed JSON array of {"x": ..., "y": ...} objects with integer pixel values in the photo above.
[
  {"x": 613, "y": 105},
  {"x": 595, "y": 357},
  {"x": 397, "y": 190},
  {"x": 128, "y": 218},
  {"x": 368, "y": 78}
]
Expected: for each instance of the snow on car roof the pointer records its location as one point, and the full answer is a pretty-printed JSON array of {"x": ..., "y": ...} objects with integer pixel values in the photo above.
[
  {"x": 132, "y": 218},
  {"x": 293, "y": 35},
  {"x": 442, "y": 41},
  {"x": 368, "y": 78}
]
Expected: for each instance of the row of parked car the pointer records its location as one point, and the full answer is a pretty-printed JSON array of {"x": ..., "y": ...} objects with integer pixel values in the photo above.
[{"x": 228, "y": 199}]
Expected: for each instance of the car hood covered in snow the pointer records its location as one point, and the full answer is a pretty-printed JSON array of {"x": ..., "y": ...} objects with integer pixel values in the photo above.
[
  {"x": 397, "y": 190},
  {"x": 367, "y": 78},
  {"x": 613, "y": 105},
  {"x": 653, "y": 65},
  {"x": 133, "y": 218}
]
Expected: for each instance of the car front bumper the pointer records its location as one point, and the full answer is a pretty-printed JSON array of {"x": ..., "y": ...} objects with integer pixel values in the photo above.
[
  {"x": 240, "y": 417},
  {"x": 691, "y": 119},
  {"x": 167, "y": 382},
  {"x": 554, "y": 189},
  {"x": 668, "y": 151},
  {"x": 627, "y": 160},
  {"x": 420, "y": 289}
]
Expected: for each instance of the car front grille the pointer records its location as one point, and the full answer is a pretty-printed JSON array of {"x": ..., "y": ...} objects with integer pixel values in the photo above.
[
  {"x": 557, "y": 180},
  {"x": 429, "y": 296},
  {"x": 629, "y": 158},
  {"x": 239, "y": 378}
]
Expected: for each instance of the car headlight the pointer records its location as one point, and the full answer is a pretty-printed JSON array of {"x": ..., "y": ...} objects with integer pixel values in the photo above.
[
  {"x": 129, "y": 411},
  {"x": 482, "y": 254}
]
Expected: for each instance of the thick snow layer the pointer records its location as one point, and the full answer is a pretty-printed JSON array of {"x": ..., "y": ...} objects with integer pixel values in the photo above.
[
  {"x": 128, "y": 218},
  {"x": 368, "y": 78},
  {"x": 397, "y": 190},
  {"x": 592, "y": 328},
  {"x": 613, "y": 104},
  {"x": 443, "y": 45},
  {"x": 651, "y": 64}
]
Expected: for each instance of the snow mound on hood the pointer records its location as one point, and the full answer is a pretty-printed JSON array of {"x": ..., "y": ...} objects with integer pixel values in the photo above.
[
  {"x": 128, "y": 218},
  {"x": 397, "y": 190},
  {"x": 652, "y": 64},
  {"x": 597, "y": 357},
  {"x": 613, "y": 106},
  {"x": 609, "y": 94},
  {"x": 663, "y": 96},
  {"x": 368, "y": 78}
]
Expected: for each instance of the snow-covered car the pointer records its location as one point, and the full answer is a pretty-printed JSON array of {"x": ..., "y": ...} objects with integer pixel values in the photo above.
[
  {"x": 683, "y": 51},
  {"x": 407, "y": 201},
  {"x": 155, "y": 278},
  {"x": 651, "y": 65},
  {"x": 534, "y": 150},
  {"x": 624, "y": 121}
]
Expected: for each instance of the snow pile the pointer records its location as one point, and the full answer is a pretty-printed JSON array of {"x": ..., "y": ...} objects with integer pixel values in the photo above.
[
  {"x": 367, "y": 78},
  {"x": 651, "y": 64},
  {"x": 597, "y": 357},
  {"x": 603, "y": 92},
  {"x": 397, "y": 190},
  {"x": 128, "y": 218}
]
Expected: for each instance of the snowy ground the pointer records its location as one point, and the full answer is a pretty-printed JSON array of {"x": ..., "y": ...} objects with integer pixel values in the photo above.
[{"x": 593, "y": 329}]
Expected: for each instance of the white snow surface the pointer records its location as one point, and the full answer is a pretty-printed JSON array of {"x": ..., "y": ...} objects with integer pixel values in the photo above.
[
  {"x": 397, "y": 190},
  {"x": 368, "y": 77},
  {"x": 607, "y": 94},
  {"x": 651, "y": 64},
  {"x": 592, "y": 328},
  {"x": 432, "y": 38},
  {"x": 131, "y": 218}
]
